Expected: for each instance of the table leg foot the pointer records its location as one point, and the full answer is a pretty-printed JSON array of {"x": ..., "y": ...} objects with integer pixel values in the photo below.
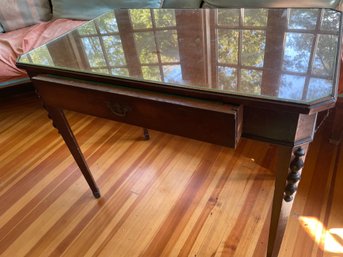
[
  {"x": 97, "y": 194},
  {"x": 146, "y": 134}
]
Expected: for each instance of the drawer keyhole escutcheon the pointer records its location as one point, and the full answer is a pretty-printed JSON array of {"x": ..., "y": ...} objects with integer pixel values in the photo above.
[{"x": 118, "y": 109}]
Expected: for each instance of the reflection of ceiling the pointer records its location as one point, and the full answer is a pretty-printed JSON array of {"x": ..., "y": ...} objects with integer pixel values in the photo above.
[{"x": 289, "y": 54}]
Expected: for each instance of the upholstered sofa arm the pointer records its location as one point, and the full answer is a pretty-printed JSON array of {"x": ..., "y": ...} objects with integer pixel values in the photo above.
[{"x": 182, "y": 4}]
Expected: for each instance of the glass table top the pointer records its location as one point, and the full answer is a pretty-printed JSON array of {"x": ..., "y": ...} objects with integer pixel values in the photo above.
[{"x": 282, "y": 54}]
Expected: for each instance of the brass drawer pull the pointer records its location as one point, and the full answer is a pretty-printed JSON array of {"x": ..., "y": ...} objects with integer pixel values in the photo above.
[{"x": 118, "y": 109}]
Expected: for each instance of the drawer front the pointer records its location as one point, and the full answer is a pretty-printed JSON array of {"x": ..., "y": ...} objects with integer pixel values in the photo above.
[{"x": 202, "y": 120}]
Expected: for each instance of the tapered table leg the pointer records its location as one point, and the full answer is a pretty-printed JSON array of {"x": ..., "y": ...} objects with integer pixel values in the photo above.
[
  {"x": 288, "y": 173},
  {"x": 61, "y": 124}
]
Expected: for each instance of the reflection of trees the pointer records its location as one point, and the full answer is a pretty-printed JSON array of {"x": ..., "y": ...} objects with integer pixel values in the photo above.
[
  {"x": 107, "y": 23},
  {"x": 228, "y": 17},
  {"x": 164, "y": 18},
  {"x": 93, "y": 51},
  {"x": 168, "y": 45},
  {"x": 311, "y": 53},
  {"x": 303, "y": 18},
  {"x": 146, "y": 47},
  {"x": 241, "y": 46},
  {"x": 40, "y": 56},
  {"x": 227, "y": 46},
  {"x": 324, "y": 62},
  {"x": 253, "y": 47},
  {"x": 114, "y": 50},
  {"x": 141, "y": 19},
  {"x": 298, "y": 51},
  {"x": 255, "y": 17},
  {"x": 251, "y": 81}
]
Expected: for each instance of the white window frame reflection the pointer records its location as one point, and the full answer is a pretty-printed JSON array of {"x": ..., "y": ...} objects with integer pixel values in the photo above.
[
  {"x": 106, "y": 68},
  {"x": 239, "y": 67},
  {"x": 308, "y": 75},
  {"x": 160, "y": 65}
]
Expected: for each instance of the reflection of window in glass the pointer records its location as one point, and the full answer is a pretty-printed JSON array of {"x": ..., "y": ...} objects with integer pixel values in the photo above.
[
  {"x": 310, "y": 53},
  {"x": 227, "y": 46},
  {"x": 114, "y": 50},
  {"x": 292, "y": 87},
  {"x": 151, "y": 72},
  {"x": 330, "y": 20},
  {"x": 141, "y": 19},
  {"x": 251, "y": 81},
  {"x": 227, "y": 78},
  {"x": 229, "y": 17},
  {"x": 168, "y": 46},
  {"x": 324, "y": 64},
  {"x": 146, "y": 47},
  {"x": 157, "y": 44},
  {"x": 40, "y": 56},
  {"x": 93, "y": 51},
  {"x": 253, "y": 46},
  {"x": 303, "y": 18},
  {"x": 172, "y": 73},
  {"x": 120, "y": 71},
  {"x": 87, "y": 29},
  {"x": 165, "y": 18},
  {"x": 297, "y": 51},
  {"x": 319, "y": 88},
  {"x": 240, "y": 49},
  {"x": 103, "y": 47},
  {"x": 255, "y": 17}
]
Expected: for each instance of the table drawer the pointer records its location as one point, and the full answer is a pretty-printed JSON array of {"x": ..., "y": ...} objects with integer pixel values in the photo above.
[{"x": 207, "y": 121}]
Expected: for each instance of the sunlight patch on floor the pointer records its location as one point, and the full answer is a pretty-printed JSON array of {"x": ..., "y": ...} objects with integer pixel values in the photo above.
[{"x": 329, "y": 240}]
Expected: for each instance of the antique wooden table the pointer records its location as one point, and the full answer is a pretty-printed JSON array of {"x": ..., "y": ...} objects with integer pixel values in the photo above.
[{"x": 211, "y": 75}]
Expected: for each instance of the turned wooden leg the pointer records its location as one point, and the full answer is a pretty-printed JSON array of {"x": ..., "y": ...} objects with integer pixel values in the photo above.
[
  {"x": 146, "y": 134},
  {"x": 288, "y": 173},
  {"x": 61, "y": 124}
]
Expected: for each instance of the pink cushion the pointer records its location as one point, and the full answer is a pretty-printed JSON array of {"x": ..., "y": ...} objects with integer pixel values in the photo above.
[
  {"x": 17, "y": 42},
  {"x": 16, "y": 14}
]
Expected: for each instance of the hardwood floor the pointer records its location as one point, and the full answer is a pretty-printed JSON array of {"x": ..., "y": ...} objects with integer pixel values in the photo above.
[{"x": 168, "y": 196}]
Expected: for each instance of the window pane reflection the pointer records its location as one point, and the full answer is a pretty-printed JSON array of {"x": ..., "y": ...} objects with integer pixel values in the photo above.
[
  {"x": 40, "y": 56},
  {"x": 253, "y": 47},
  {"x": 255, "y": 17},
  {"x": 87, "y": 29},
  {"x": 103, "y": 71},
  {"x": 146, "y": 47},
  {"x": 172, "y": 73},
  {"x": 330, "y": 20},
  {"x": 291, "y": 87},
  {"x": 251, "y": 81},
  {"x": 120, "y": 71},
  {"x": 93, "y": 51},
  {"x": 164, "y": 18},
  {"x": 297, "y": 51},
  {"x": 168, "y": 45},
  {"x": 303, "y": 19},
  {"x": 227, "y": 78},
  {"x": 107, "y": 24},
  {"x": 229, "y": 17},
  {"x": 114, "y": 50},
  {"x": 227, "y": 46},
  {"x": 323, "y": 62},
  {"x": 319, "y": 88},
  {"x": 151, "y": 73},
  {"x": 141, "y": 18}
]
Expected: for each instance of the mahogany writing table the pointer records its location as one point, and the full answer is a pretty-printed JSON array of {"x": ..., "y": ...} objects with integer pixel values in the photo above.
[{"x": 212, "y": 75}]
